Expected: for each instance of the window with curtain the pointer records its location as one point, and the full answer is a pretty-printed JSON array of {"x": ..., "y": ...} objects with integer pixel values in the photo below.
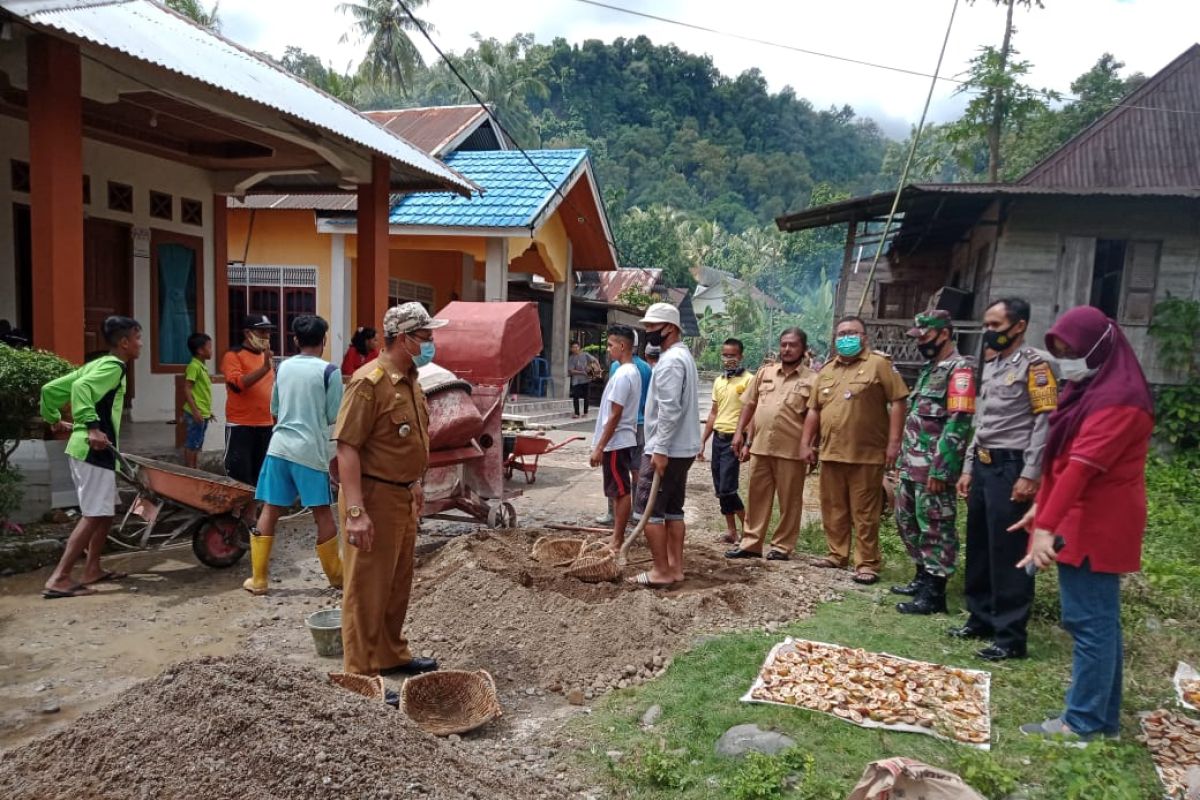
[{"x": 176, "y": 300}]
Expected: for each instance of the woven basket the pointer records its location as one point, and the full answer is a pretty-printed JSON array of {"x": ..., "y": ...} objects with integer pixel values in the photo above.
[
  {"x": 556, "y": 549},
  {"x": 370, "y": 686},
  {"x": 451, "y": 701},
  {"x": 595, "y": 564}
]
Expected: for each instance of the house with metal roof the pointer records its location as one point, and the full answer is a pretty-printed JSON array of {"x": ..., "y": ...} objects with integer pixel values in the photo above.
[
  {"x": 125, "y": 127},
  {"x": 1109, "y": 219},
  {"x": 538, "y": 218}
]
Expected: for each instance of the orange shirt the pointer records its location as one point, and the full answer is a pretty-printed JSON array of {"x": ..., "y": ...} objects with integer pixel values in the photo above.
[{"x": 246, "y": 405}]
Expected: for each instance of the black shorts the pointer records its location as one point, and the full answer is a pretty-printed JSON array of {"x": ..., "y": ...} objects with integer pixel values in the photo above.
[
  {"x": 672, "y": 490},
  {"x": 615, "y": 465},
  {"x": 636, "y": 460},
  {"x": 245, "y": 451}
]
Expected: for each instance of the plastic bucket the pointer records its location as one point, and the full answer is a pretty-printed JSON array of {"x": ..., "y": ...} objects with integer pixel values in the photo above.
[{"x": 326, "y": 629}]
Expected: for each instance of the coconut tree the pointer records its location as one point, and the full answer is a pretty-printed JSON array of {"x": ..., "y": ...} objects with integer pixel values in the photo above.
[{"x": 392, "y": 58}]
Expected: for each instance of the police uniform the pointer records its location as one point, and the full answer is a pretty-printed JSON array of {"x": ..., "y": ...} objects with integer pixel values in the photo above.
[
  {"x": 852, "y": 396},
  {"x": 1017, "y": 394},
  {"x": 781, "y": 397},
  {"x": 383, "y": 416},
  {"x": 936, "y": 431}
]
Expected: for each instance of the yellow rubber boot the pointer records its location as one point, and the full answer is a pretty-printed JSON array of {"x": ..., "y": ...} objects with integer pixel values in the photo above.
[
  {"x": 260, "y": 559},
  {"x": 331, "y": 561}
]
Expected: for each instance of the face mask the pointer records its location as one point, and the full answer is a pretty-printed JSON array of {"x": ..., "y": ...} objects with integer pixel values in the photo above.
[
  {"x": 258, "y": 342},
  {"x": 998, "y": 341},
  {"x": 731, "y": 365},
  {"x": 655, "y": 338},
  {"x": 849, "y": 346},
  {"x": 424, "y": 355},
  {"x": 1076, "y": 370},
  {"x": 931, "y": 349}
]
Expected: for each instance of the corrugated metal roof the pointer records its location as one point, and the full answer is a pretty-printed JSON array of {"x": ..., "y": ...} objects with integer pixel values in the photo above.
[
  {"x": 149, "y": 32},
  {"x": 606, "y": 286},
  {"x": 1152, "y": 138},
  {"x": 514, "y": 191},
  {"x": 432, "y": 128}
]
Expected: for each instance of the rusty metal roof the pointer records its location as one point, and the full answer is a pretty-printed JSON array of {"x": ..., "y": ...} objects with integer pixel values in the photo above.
[
  {"x": 1151, "y": 138},
  {"x": 607, "y": 286},
  {"x": 150, "y": 33},
  {"x": 434, "y": 129}
]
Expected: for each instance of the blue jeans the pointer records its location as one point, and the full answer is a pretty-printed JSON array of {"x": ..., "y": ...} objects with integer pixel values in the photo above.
[{"x": 1091, "y": 613}]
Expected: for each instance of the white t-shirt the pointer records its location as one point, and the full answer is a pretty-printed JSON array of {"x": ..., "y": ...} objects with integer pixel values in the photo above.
[{"x": 624, "y": 387}]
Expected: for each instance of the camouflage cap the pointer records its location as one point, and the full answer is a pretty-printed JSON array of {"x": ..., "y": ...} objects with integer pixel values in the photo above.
[
  {"x": 408, "y": 317},
  {"x": 927, "y": 321}
]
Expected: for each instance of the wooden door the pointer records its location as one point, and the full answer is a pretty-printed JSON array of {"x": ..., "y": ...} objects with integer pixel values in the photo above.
[
  {"x": 107, "y": 282},
  {"x": 1075, "y": 263}
]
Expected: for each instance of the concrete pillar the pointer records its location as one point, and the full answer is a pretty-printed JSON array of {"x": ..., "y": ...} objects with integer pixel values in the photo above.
[
  {"x": 560, "y": 330},
  {"x": 341, "y": 328},
  {"x": 55, "y": 197},
  {"x": 496, "y": 285},
  {"x": 220, "y": 223},
  {"x": 468, "y": 292},
  {"x": 372, "y": 265}
]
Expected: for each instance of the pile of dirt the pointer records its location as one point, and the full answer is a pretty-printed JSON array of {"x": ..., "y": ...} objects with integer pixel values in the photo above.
[
  {"x": 481, "y": 601},
  {"x": 248, "y": 726}
]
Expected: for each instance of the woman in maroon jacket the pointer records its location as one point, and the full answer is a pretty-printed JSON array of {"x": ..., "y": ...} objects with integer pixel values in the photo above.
[{"x": 1092, "y": 505}]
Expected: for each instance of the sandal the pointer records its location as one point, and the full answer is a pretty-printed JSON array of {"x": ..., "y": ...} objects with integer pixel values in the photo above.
[
  {"x": 825, "y": 563},
  {"x": 642, "y": 581},
  {"x": 106, "y": 575},
  {"x": 865, "y": 578},
  {"x": 78, "y": 590}
]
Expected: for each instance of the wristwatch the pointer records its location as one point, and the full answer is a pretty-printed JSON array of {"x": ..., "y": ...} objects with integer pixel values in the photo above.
[{"x": 354, "y": 512}]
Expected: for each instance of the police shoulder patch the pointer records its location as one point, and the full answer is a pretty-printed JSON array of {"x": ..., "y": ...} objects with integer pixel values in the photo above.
[
  {"x": 960, "y": 395},
  {"x": 1043, "y": 388},
  {"x": 376, "y": 375}
]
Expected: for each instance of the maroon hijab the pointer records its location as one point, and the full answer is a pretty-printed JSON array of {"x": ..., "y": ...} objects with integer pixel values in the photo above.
[{"x": 1119, "y": 380}]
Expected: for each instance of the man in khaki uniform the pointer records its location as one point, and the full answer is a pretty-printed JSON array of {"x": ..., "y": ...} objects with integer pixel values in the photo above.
[
  {"x": 859, "y": 437},
  {"x": 777, "y": 402},
  {"x": 382, "y": 435}
]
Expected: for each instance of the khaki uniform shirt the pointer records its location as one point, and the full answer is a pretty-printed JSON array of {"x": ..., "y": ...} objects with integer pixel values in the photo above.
[
  {"x": 782, "y": 401},
  {"x": 853, "y": 400},
  {"x": 1016, "y": 396},
  {"x": 384, "y": 416}
]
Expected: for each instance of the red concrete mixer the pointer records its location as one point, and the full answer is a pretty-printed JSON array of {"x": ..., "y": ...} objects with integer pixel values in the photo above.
[{"x": 483, "y": 348}]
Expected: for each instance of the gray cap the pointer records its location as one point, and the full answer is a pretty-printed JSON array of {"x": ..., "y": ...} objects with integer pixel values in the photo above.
[{"x": 408, "y": 317}]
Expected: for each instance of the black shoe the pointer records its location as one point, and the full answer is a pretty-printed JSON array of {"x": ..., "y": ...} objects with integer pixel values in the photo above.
[
  {"x": 998, "y": 652},
  {"x": 738, "y": 552},
  {"x": 911, "y": 588},
  {"x": 778, "y": 555},
  {"x": 414, "y": 667},
  {"x": 970, "y": 631},
  {"x": 931, "y": 599}
]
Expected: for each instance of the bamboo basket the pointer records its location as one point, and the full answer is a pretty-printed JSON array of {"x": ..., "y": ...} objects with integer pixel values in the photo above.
[
  {"x": 556, "y": 549},
  {"x": 450, "y": 701},
  {"x": 369, "y": 686},
  {"x": 595, "y": 564}
]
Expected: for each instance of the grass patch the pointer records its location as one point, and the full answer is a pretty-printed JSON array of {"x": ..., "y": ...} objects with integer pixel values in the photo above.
[{"x": 699, "y": 693}]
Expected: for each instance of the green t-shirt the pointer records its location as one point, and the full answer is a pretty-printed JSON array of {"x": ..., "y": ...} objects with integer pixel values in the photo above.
[
  {"x": 96, "y": 393},
  {"x": 197, "y": 373}
]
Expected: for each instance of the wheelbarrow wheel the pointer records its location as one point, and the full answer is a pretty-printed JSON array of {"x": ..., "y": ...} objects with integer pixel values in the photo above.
[
  {"x": 502, "y": 515},
  {"x": 217, "y": 541}
]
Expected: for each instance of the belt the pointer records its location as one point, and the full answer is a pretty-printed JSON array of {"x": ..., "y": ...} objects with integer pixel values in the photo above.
[
  {"x": 401, "y": 484},
  {"x": 987, "y": 455},
  {"x": 724, "y": 437}
]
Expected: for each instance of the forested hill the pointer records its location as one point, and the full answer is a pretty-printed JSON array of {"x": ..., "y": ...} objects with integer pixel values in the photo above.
[{"x": 669, "y": 129}]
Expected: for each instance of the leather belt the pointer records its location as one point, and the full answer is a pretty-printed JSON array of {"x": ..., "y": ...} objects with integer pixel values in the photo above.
[
  {"x": 401, "y": 484},
  {"x": 987, "y": 455},
  {"x": 724, "y": 437}
]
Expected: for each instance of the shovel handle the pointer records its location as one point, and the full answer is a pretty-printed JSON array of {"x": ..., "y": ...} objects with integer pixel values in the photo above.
[{"x": 641, "y": 526}]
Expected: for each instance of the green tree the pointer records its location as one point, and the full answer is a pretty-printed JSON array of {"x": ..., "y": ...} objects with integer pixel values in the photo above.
[
  {"x": 391, "y": 58},
  {"x": 650, "y": 240},
  {"x": 197, "y": 13},
  {"x": 342, "y": 85}
]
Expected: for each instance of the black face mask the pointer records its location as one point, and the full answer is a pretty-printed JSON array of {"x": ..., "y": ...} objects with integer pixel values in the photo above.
[
  {"x": 654, "y": 337},
  {"x": 931, "y": 349},
  {"x": 998, "y": 341}
]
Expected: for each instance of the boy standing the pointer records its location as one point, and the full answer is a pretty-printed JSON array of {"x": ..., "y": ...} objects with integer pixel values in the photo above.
[
  {"x": 197, "y": 394},
  {"x": 304, "y": 401},
  {"x": 616, "y": 429},
  {"x": 96, "y": 392}
]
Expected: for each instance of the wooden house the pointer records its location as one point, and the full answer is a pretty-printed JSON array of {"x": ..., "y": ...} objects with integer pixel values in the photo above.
[{"x": 1110, "y": 219}]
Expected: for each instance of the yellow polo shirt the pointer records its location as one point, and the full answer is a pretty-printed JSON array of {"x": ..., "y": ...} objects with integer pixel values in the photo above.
[{"x": 727, "y": 397}]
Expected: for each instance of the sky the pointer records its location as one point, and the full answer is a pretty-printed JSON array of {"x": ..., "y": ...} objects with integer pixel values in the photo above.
[{"x": 1062, "y": 40}]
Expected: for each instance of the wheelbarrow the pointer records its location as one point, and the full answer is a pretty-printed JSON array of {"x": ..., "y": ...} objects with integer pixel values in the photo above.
[
  {"x": 527, "y": 449},
  {"x": 174, "y": 502}
]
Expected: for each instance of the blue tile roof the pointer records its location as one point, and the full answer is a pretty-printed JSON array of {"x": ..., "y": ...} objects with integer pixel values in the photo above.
[{"x": 514, "y": 192}]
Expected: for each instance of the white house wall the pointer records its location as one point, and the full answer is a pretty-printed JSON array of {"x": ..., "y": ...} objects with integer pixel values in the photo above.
[{"x": 154, "y": 399}]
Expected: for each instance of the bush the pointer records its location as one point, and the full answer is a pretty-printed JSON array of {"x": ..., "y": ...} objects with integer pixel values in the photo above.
[
  {"x": 22, "y": 375},
  {"x": 10, "y": 492}
]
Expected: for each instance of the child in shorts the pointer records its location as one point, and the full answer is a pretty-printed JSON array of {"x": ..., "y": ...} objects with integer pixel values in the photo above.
[{"x": 197, "y": 394}]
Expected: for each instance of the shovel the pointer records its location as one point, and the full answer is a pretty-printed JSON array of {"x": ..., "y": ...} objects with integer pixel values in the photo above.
[{"x": 641, "y": 526}]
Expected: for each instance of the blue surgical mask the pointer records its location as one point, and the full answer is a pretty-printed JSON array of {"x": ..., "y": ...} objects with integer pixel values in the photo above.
[
  {"x": 425, "y": 355},
  {"x": 849, "y": 346}
]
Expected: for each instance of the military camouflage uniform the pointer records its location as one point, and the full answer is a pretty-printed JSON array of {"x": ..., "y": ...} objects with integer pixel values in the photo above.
[{"x": 936, "y": 432}]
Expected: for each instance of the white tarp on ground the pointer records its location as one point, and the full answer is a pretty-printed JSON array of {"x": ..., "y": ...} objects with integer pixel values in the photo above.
[{"x": 1185, "y": 673}]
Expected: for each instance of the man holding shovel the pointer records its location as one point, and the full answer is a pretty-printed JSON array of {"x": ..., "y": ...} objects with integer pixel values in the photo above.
[{"x": 672, "y": 442}]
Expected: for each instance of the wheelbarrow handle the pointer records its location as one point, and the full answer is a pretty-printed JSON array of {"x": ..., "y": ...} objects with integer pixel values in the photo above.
[{"x": 641, "y": 525}]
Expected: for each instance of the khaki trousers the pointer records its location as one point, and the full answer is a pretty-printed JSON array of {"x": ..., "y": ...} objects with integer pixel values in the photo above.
[
  {"x": 770, "y": 476},
  {"x": 378, "y": 583},
  {"x": 852, "y": 501}
]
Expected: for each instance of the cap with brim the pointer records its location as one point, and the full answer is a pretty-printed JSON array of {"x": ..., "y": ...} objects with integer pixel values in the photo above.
[
  {"x": 409, "y": 317},
  {"x": 929, "y": 321},
  {"x": 258, "y": 322},
  {"x": 660, "y": 313}
]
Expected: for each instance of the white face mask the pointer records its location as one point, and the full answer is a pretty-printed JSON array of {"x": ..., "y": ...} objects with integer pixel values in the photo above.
[{"x": 1077, "y": 370}]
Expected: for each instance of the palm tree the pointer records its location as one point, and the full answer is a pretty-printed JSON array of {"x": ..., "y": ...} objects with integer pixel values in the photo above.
[
  {"x": 197, "y": 13},
  {"x": 392, "y": 58}
]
